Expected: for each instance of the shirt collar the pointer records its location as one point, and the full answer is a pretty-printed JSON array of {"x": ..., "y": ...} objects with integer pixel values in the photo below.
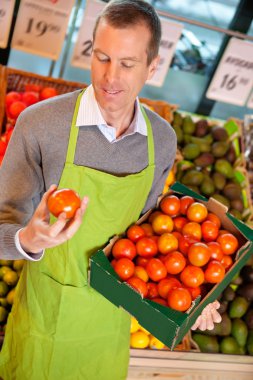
[{"x": 90, "y": 114}]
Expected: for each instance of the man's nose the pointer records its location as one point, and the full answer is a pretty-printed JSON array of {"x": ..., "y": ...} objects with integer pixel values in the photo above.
[{"x": 112, "y": 72}]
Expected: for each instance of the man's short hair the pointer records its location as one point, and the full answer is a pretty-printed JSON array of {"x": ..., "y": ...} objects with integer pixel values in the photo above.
[{"x": 126, "y": 13}]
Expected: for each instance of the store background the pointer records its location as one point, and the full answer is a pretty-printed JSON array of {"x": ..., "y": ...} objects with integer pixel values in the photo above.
[{"x": 197, "y": 54}]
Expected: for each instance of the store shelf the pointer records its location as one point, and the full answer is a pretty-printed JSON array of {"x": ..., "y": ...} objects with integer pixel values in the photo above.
[{"x": 151, "y": 364}]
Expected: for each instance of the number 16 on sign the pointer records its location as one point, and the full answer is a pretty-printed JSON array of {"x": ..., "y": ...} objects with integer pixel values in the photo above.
[{"x": 233, "y": 79}]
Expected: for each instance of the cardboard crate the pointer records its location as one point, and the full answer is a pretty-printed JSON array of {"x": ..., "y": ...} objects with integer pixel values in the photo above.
[{"x": 168, "y": 325}]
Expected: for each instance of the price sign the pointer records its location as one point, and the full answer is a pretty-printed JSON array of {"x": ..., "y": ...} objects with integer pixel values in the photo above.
[
  {"x": 6, "y": 12},
  {"x": 171, "y": 32},
  {"x": 233, "y": 79},
  {"x": 41, "y": 27},
  {"x": 82, "y": 51},
  {"x": 250, "y": 102}
]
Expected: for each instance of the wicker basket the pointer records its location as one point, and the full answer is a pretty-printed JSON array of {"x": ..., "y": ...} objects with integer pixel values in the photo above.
[
  {"x": 161, "y": 107},
  {"x": 15, "y": 80}
]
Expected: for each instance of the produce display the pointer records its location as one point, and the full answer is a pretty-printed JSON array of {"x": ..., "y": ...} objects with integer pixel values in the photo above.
[{"x": 211, "y": 162}]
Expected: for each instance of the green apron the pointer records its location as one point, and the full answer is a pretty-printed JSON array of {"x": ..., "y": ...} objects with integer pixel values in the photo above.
[{"x": 59, "y": 327}]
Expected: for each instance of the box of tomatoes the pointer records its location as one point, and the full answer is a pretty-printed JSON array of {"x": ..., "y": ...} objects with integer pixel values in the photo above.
[{"x": 174, "y": 261}]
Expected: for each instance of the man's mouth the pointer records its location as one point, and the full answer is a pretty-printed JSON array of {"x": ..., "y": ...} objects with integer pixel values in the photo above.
[{"x": 112, "y": 92}]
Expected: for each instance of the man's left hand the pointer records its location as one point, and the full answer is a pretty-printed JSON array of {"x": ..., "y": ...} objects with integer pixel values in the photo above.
[{"x": 208, "y": 317}]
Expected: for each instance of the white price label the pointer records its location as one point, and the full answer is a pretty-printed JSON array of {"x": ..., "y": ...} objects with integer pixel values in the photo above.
[
  {"x": 6, "y": 12},
  {"x": 233, "y": 79},
  {"x": 171, "y": 32},
  {"x": 83, "y": 47},
  {"x": 250, "y": 101},
  {"x": 40, "y": 29}
]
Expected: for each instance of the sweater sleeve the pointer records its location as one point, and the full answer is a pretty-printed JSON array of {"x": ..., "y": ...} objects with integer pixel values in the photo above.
[{"x": 21, "y": 184}]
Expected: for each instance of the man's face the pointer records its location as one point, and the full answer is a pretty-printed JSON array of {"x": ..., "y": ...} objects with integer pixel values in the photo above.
[{"x": 119, "y": 65}]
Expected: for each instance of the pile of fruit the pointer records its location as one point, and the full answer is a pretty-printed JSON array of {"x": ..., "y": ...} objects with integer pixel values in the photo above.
[
  {"x": 234, "y": 335},
  {"x": 15, "y": 103},
  {"x": 179, "y": 253},
  {"x": 210, "y": 160},
  {"x": 9, "y": 275}
]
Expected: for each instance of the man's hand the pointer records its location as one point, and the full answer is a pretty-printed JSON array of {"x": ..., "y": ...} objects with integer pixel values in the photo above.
[
  {"x": 208, "y": 317},
  {"x": 39, "y": 234}
]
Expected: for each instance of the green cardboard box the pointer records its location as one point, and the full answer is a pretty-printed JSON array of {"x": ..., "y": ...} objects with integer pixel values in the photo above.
[{"x": 166, "y": 324}]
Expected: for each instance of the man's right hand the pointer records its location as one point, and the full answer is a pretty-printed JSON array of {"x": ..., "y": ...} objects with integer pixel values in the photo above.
[{"x": 39, "y": 234}]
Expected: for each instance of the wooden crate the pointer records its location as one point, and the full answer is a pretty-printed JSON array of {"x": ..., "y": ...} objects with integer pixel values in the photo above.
[{"x": 15, "y": 80}]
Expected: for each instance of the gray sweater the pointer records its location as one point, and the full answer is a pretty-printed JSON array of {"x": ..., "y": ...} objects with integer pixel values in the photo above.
[{"x": 36, "y": 155}]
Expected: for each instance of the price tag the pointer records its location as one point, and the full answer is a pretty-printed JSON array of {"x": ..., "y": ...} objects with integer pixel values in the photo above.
[
  {"x": 6, "y": 12},
  {"x": 41, "y": 27},
  {"x": 83, "y": 47},
  {"x": 233, "y": 79},
  {"x": 171, "y": 32},
  {"x": 250, "y": 102}
]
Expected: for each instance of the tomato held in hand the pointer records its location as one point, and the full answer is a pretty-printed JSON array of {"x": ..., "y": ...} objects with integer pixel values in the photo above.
[
  {"x": 124, "y": 268},
  {"x": 179, "y": 299},
  {"x": 64, "y": 200},
  {"x": 124, "y": 248}
]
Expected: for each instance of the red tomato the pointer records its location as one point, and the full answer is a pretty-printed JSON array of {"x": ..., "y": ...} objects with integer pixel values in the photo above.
[
  {"x": 185, "y": 203},
  {"x": 30, "y": 97},
  {"x": 214, "y": 218},
  {"x": 140, "y": 272},
  {"x": 178, "y": 235},
  {"x": 214, "y": 272},
  {"x": 216, "y": 251},
  {"x": 175, "y": 262},
  {"x": 210, "y": 231},
  {"x": 162, "y": 223},
  {"x": 166, "y": 284},
  {"x": 197, "y": 212},
  {"x": 227, "y": 262},
  {"x": 124, "y": 248},
  {"x": 11, "y": 97},
  {"x": 147, "y": 229},
  {"x": 155, "y": 238},
  {"x": 170, "y": 205},
  {"x": 141, "y": 261},
  {"x": 167, "y": 243},
  {"x": 184, "y": 244},
  {"x": 33, "y": 87},
  {"x": 64, "y": 200},
  {"x": 113, "y": 263},
  {"x": 139, "y": 285},
  {"x": 3, "y": 147},
  {"x": 192, "y": 230},
  {"x": 156, "y": 269},
  {"x": 124, "y": 268},
  {"x": 135, "y": 233},
  {"x": 146, "y": 247},
  {"x": 160, "y": 301},
  {"x": 152, "y": 290},
  {"x": 195, "y": 292},
  {"x": 199, "y": 254},
  {"x": 192, "y": 276},
  {"x": 15, "y": 109},
  {"x": 48, "y": 92},
  {"x": 179, "y": 299},
  {"x": 179, "y": 222},
  {"x": 153, "y": 215},
  {"x": 229, "y": 243}
]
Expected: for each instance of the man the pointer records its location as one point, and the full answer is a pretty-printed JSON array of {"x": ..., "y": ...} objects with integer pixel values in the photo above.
[{"x": 102, "y": 144}]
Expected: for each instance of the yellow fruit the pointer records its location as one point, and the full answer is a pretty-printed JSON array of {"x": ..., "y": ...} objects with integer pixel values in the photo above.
[
  {"x": 144, "y": 330},
  {"x": 10, "y": 278},
  {"x": 165, "y": 189},
  {"x": 6, "y": 262},
  {"x": 156, "y": 343},
  {"x": 139, "y": 340},
  {"x": 3, "y": 270},
  {"x": 134, "y": 325},
  {"x": 170, "y": 179},
  {"x": 18, "y": 264},
  {"x": 10, "y": 296},
  {"x": 3, "y": 314},
  {"x": 3, "y": 289}
]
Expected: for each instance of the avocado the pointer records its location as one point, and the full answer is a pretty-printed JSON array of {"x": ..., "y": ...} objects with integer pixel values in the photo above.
[
  {"x": 223, "y": 328},
  {"x": 192, "y": 178},
  {"x": 205, "y": 159},
  {"x": 237, "y": 204},
  {"x": 179, "y": 134},
  {"x": 246, "y": 291},
  {"x": 191, "y": 151},
  {"x": 232, "y": 191},
  {"x": 220, "y": 198},
  {"x": 250, "y": 342},
  {"x": 224, "y": 167},
  {"x": 219, "y": 180},
  {"x": 207, "y": 187},
  {"x": 248, "y": 318},
  {"x": 206, "y": 343},
  {"x": 201, "y": 128},
  {"x": 229, "y": 345},
  {"x": 177, "y": 119},
  {"x": 204, "y": 146},
  {"x": 236, "y": 213},
  {"x": 188, "y": 125},
  {"x": 247, "y": 273},
  {"x": 219, "y": 133},
  {"x": 231, "y": 155},
  {"x": 239, "y": 331},
  {"x": 219, "y": 148},
  {"x": 186, "y": 138},
  {"x": 238, "y": 307},
  {"x": 228, "y": 294},
  {"x": 223, "y": 306}
]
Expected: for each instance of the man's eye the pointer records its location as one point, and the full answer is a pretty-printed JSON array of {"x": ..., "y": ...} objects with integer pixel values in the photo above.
[
  {"x": 127, "y": 65},
  {"x": 102, "y": 59}
]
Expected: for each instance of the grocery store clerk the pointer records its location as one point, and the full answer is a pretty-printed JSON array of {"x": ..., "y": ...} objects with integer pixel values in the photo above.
[{"x": 116, "y": 155}]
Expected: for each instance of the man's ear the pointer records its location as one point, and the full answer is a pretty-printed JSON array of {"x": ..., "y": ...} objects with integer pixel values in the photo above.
[{"x": 153, "y": 66}]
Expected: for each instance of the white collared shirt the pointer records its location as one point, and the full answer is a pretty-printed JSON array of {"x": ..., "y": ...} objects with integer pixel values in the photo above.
[{"x": 90, "y": 114}]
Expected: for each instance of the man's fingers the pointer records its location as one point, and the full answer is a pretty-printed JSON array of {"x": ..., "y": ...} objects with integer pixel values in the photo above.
[
  {"x": 216, "y": 316},
  {"x": 42, "y": 208},
  {"x": 196, "y": 324}
]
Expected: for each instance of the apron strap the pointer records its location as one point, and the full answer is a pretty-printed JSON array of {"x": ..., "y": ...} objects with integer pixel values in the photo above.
[
  {"x": 151, "y": 148},
  {"x": 74, "y": 130}
]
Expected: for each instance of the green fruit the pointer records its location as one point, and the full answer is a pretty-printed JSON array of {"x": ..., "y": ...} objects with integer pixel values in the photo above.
[
  {"x": 3, "y": 288},
  {"x": 223, "y": 328},
  {"x": 220, "y": 198},
  {"x": 238, "y": 307},
  {"x": 219, "y": 133},
  {"x": 6, "y": 262},
  {"x": 205, "y": 159},
  {"x": 239, "y": 331},
  {"x": 203, "y": 145},
  {"x": 219, "y": 180},
  {"x": 224, "y": 167},
  {"x": 206, "y": 343},
  {"x": 207, "y": 187},
  {"x": 219, "y": 148},
  {"x": 250, "y": 342},
  {"x": 192, "y": 178},
  {"x": 3, "y": 302},
  {"x": 232, "y": 191},
  {"x": 191, "y": 151},
  {"x": 229, "y": 345},
  {"x": 228, "y": 294},
  {"x": 188, "y": 125},
  {"x": 177, "y": 119}
]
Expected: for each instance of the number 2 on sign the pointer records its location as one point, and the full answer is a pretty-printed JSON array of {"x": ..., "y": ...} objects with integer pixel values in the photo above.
[
  {"x": 229, "y": 83},
  {"x": 87, "y": 48}
]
